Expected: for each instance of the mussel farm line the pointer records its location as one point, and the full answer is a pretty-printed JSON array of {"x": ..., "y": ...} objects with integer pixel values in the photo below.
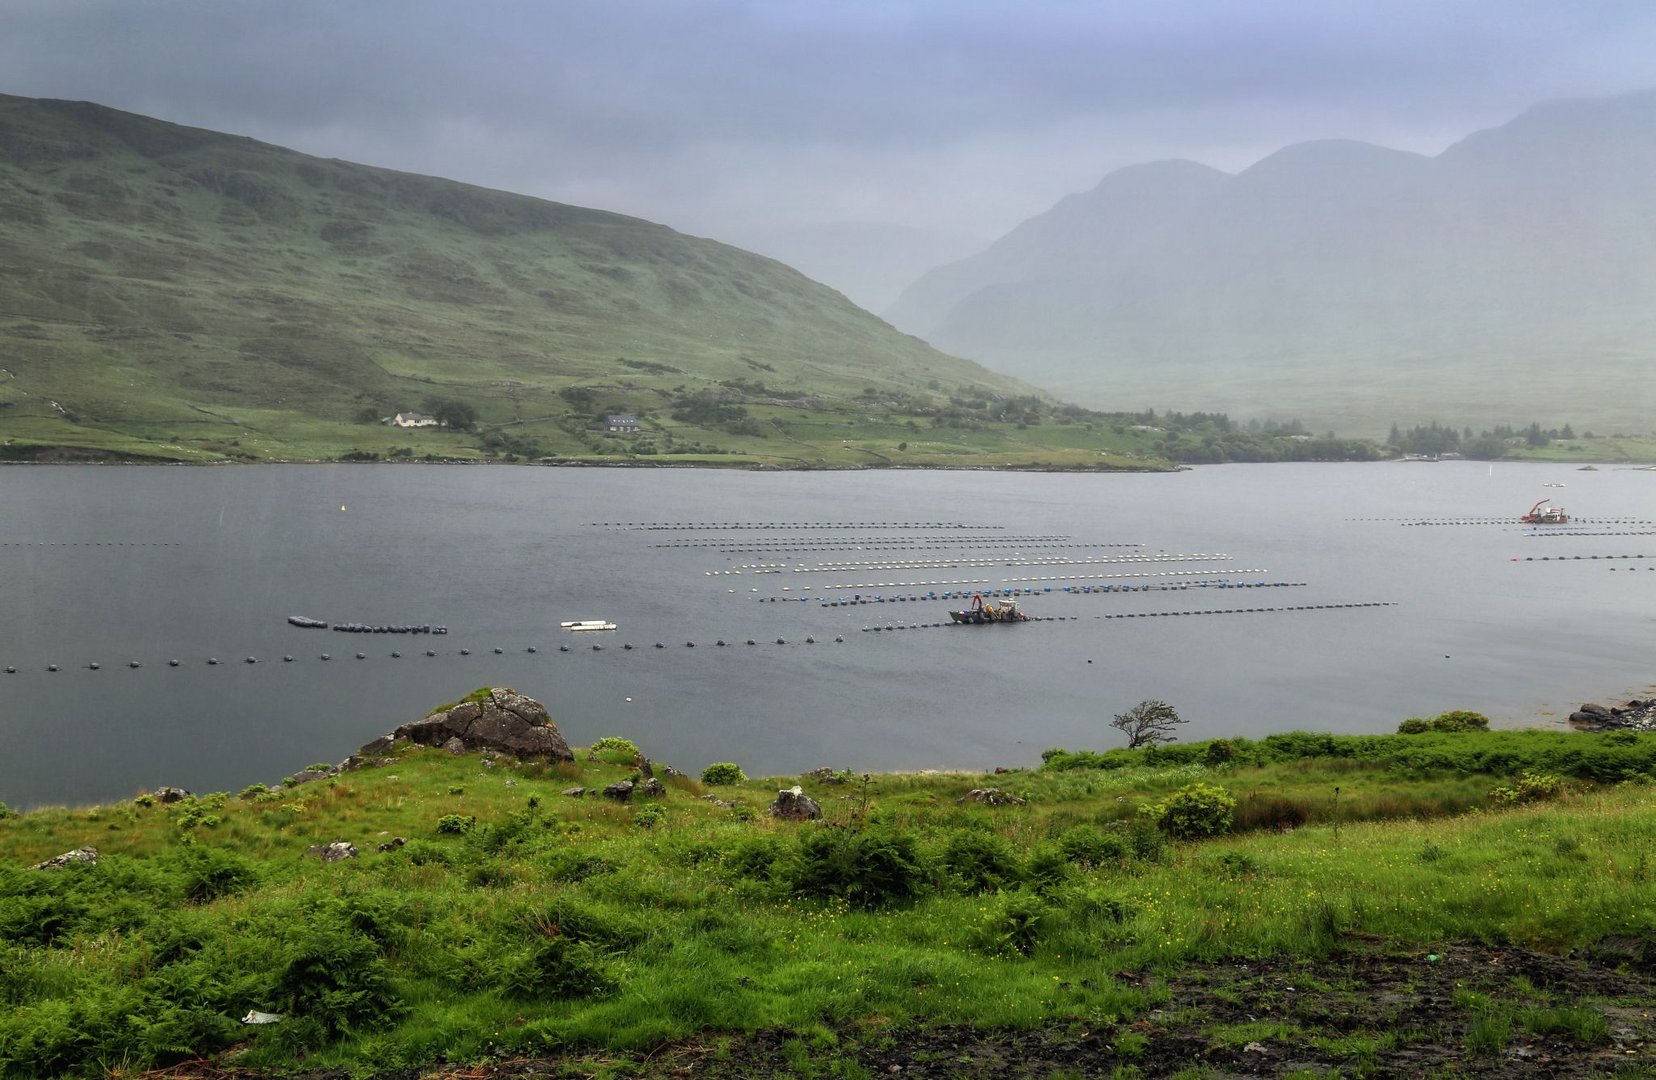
[
  {"x": 1151, "y": 615},
  {"x": 981, "y": 564},
  {"x": 771, "y": 526},
  {"x": 1407, "y": 522},
  {"x": 214, "y": 661}
]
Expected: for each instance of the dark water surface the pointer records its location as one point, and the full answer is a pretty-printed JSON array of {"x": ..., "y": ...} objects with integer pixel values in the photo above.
[{"x": 109, "y": 565}]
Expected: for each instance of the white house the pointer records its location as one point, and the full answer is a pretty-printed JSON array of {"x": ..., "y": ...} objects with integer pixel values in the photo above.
[
  {"x": 622, "y": 422},
  {"x": 413, "y": 419}
]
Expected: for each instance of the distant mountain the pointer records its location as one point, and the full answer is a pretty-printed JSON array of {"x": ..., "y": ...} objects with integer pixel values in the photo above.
[
  {"x": 870, "y": 262},
  {"x": 1511, "y": 277},
  {"x": 181, "y": 291}
]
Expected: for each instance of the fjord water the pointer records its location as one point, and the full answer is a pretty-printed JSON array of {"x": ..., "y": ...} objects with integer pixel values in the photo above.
[{"x": 111, "y": 565}]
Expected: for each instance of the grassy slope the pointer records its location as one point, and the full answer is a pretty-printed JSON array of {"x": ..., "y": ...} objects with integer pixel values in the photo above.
[
  {"x": 180, "y": 293},
  {"x": 601, "y": 933}
]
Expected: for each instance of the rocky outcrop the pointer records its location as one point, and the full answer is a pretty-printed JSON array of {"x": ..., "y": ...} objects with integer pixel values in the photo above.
[
  {"x": 338, "y": 851},
  {"x": 620, "y": 791},
  {"x": 792, "y": 804},
  {"x": 1636, "y": 715},
  {"x": 991, "y": 796},
  {"x": 87, "y": 855},
  {"x": 505, "y": 721}
]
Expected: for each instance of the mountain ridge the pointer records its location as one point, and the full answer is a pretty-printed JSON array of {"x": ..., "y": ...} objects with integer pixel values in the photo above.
[
  {"x": 181, "y": 293},
  {"x": 1343, "y": 282}
]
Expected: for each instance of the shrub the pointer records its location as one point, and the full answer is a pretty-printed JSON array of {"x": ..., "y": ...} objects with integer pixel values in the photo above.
[
  {"x": 1193, "y": 812},
  {"x": 649, "y": 816},
  {"x": 336, "y": 978},
  {"x": 866, "y": 869},
  {"x": 723, "y": 773},
  {"x": 1014, "y": 924},
  {"x": 1414, "y": 725},
  {"x": 1530, "y": 787},
  {"x": 1460, "y": 720},
  {"x": 209, "y": 873},
  {"x": 1048, "y": 869},
  {"x": 615, "y": 750},
  {"x": 1092, "y": 846},
  {"x": 555, "y": 967},
  {"x": 455, "y": 824},
  {"x": 253, "y": 791},
  {"x": 1276, "y": 812},
  {"x": 1220, "y": 752},
  {"x": 983, "y": 862}
]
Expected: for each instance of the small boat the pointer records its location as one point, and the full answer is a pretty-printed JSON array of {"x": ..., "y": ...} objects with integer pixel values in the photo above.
[
  {"x": 1542, "y": 514},
  {"x": 980, "y": 613},
  {"x": 588, "y": 624},
  {"x": 309, "y": 624}
]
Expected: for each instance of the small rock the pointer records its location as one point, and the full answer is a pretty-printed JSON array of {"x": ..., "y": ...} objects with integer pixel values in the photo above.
[
  {"x": 170, "y": 794},
  {"x": 455, "y": 745},
  {"x": 653, "y": 788},
  {"x": 338, "y": 851},
  {"x": 575, "y": 792},
  {"x": 993, "y": 796},
  {"x": 620, "y": 791},
  {"x": 393, "y": 844},
  {"x": 88, "y": 855}
]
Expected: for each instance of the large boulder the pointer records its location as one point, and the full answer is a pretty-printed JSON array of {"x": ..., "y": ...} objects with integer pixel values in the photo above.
[
  {"x": 505, "y": 721},
  {"x": 792, "y": 804}
]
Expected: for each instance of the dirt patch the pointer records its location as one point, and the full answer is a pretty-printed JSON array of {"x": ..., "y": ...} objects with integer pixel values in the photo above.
[{"x": 1464, "y": 1009}]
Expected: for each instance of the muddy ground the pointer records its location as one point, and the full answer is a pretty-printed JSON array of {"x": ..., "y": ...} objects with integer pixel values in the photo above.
[{"x": 1460, "y": 1010}]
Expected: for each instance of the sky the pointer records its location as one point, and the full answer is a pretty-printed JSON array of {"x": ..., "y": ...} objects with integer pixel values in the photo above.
[{"x": 858, "y": 139}]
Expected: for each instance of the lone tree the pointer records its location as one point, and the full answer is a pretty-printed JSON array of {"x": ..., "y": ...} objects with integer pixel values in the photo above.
[{"x": 1148, "y": 723}]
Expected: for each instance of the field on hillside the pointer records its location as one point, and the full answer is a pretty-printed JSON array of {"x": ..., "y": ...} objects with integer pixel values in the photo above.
[{"x": 1450, "y": 903}]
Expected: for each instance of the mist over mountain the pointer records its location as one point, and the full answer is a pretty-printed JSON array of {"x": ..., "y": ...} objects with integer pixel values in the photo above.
[
  {"x": 1511, "y": 276},
  {"x": 870, "y": 262}
]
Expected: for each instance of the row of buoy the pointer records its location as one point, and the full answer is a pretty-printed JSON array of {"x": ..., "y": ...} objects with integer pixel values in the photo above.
[
  {"x": 1079, "y": 590},
  {"x": 935, "y": 625},
  {"x": 88, "y": 543},
  {"x": 1140, "y": 574},
  {"x": 974, "y": 564},
  {"x": 1573, "y": 558},
  {"x": 1550, "y": 535},
  {"x": 720, "y": 643},
  {"x": 367, "y": 628},
  {"x": 906, "y": 541},
  {"x": 213, "y": 661},
  {"x": 1150, "y": 615},
  {"x": 768, "y": 526},
  {"x": 1515, "y": 521}
]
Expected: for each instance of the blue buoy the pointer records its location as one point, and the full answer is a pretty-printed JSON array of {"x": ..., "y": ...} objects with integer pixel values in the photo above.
[
  {"x": 251, "y": 660},
  {"x": 93, "y": 666},
  {"x": 213, "y": 660},
  {"x": 362, "y": 656},
  {"x": 133, "y": 664},
  {"x": 287, "y": 659},
  {"x": 499, "y": 651},
  {"x": 325, "y": 656},
  {"x": 531, "y": 648},
  {"x": 465, "y": 652},
  {"x": 51, "y": 667},
  {"x": 172, "y": 663},
  {"x": 431, "y": 652}
]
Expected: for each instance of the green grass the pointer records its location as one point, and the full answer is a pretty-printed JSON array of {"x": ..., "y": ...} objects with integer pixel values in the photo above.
[{"x": 539, "y": 923}]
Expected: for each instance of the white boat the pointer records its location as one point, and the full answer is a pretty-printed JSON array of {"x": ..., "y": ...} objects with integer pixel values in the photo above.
[{"x": 588, "y": 624}]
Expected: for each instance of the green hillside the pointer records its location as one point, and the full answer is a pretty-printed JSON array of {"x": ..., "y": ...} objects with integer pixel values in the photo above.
[{"x": 177, "y": 293}]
